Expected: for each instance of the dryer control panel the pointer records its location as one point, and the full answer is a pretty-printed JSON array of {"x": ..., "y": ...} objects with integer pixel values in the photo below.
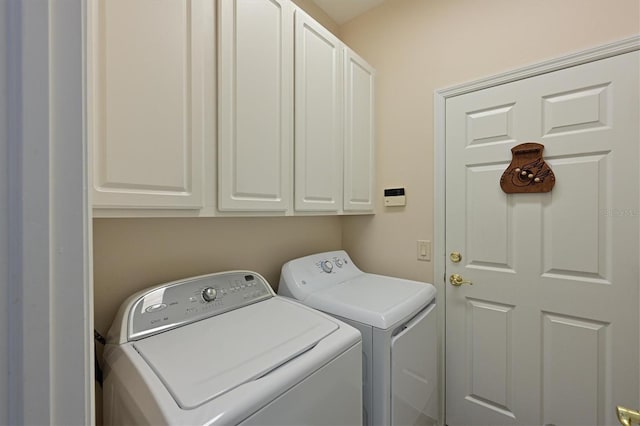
[
  {"x": 303, "y": 276},
  {"x": 182, "y": 302}
]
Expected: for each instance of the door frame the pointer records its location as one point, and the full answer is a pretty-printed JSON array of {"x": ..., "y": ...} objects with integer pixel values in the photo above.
[
  {"x": 440, "y": 98},
  {"x": 46, "y": 341}
]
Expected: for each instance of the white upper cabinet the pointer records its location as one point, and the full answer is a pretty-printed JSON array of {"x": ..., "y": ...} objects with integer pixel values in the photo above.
[
  {"x": 318, "y": 117},
  {"x": 359, "y": 152},
  {"x": 255, "y": 111},
  {"x": 166, "y": 140},
  {"x": 146, "y": 103}
]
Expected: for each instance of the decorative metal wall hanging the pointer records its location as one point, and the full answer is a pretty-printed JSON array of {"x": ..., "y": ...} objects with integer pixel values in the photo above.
[{"x": 527, "y": 173}]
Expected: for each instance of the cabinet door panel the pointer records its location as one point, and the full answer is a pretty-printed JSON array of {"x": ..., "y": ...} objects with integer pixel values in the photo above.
[
  {"x": 359, "y": 165},
  {"x": 255, "y": 105},
  {"x": 318, "y": 117},
  {"x": 146, "y": 103}
]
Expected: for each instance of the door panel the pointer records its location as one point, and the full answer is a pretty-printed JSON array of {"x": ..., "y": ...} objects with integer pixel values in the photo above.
[
  {"x": 359, "y": 139},
  {"x": 490, "y": 357},
  {"x": 582, "y": 109},
  {"x": 561, "y": 234},
  {"x": 146, "y": 103},
  {"x": 548, "y": 332},
  {"x": 489, "y": 217},
  {"x": 563, "y": 370},
  {"x": 255, "y": 105},
  {"x": 318, "y": 117},
  {"x": 490, "y": 126}
]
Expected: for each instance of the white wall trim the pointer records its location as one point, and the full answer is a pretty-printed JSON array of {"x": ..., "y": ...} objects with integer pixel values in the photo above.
[
  {"x": 48, "y": 347},
  {"x": 570, "y": 60},
  {"x": 5, "y": 392},
  {"x": 440, "y": 97}
]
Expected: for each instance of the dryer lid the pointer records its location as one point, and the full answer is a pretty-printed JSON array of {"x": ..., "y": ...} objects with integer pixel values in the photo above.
[
  {"x": 375, "y": 300},
  {"x": 206, "y": 359}
]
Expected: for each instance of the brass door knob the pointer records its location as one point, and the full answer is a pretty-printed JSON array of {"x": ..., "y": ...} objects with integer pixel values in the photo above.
[
  {"x": 457, "y": 280},
  {"x": 627, "y": 417}
]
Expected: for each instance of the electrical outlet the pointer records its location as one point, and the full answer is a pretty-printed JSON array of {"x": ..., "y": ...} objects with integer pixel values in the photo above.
[{"x": 424, "y": 250}]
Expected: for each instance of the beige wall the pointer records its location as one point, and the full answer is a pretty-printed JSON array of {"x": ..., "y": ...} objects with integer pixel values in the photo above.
[
  {"x": 319, "y": 15},
  {"x": 419, "y": 46}
]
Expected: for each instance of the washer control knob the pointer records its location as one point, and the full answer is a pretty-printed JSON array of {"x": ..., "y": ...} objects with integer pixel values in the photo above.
[
  {"x": 209, "y": 294},
  {"x": 326, "y": 266},
  {"x": 339, "y": 263}
]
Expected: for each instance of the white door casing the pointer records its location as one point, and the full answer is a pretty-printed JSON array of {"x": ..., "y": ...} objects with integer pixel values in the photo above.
[
  {"x": 46, "y": 351},
  {"x": 4, "y": 222},
  {"x": 548, "y": 333}
]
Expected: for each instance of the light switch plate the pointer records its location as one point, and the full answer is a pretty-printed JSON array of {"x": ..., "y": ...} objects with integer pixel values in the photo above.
[{"x": 424, "y": 250}]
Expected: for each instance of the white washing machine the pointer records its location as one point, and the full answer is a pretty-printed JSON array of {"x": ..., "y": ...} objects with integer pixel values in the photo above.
[
  {"x": 397, "y": 320},
  {"x": 223, "y": 349}
]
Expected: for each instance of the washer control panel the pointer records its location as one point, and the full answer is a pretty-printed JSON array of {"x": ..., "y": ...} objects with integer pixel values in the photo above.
[{"x": 181, "y": 302}]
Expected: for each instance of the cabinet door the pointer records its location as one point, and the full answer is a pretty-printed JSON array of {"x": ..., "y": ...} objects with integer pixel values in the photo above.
[
  {"x": 318, "y": 117},
  {"x": 146, "y": 102},
  {"x": 359, "y": 165},
  {"x": 255, "y": 105}
]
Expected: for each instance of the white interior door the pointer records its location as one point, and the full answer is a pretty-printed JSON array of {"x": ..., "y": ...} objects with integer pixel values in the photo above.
[{"x": 548, "y": 332}]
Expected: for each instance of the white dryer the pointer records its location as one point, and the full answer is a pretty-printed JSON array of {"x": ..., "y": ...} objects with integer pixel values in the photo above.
[
  {"x": 224, "y": 349},
  {"x": 397, "y": 320}
]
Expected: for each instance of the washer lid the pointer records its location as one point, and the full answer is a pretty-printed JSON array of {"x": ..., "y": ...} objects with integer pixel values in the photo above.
[
  {"x": 208, "y": 358},
  {"x": 372, "y": 299}
]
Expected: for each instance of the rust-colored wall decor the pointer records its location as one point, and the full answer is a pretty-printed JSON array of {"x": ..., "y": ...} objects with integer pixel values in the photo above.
[{"x": 528, "y": 172}]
